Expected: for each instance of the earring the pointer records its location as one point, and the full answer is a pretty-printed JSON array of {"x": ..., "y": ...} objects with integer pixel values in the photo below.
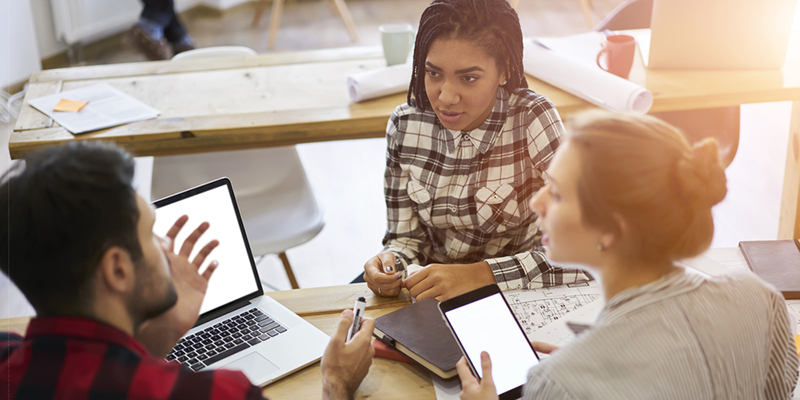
[
  {"x": 504, "y": 82},
  {"x": 600, "y": 247}
]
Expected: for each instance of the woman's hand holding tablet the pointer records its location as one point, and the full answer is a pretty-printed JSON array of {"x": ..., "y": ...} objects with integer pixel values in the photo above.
[
  {"x": 471, "y": 389},
  {"x": 481, "y": 321}
]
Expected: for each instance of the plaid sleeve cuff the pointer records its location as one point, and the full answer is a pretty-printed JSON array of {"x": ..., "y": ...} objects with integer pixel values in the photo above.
[
  {"x": 531, "y": 270},
  {"x": 8, "y": 343}
]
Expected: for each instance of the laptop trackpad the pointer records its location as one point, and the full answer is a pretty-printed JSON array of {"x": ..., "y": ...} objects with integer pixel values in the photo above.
[{"x": 254, "y": 366}]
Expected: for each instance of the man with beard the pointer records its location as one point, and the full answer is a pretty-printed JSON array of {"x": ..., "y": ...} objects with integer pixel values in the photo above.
[{"x": 111, "y": 297}]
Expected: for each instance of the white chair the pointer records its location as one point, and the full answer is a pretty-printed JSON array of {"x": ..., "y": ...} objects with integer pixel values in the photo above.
[
  {"x": 215, "y": 52},
  {"x": 278, "y": 206}
]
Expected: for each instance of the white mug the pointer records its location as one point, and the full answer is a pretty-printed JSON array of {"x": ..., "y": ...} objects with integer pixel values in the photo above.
[{"x": 397, "y": 40}]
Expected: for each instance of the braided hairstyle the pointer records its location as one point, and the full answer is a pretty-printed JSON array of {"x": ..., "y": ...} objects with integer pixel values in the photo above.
[{"x": 491, "y": 24}]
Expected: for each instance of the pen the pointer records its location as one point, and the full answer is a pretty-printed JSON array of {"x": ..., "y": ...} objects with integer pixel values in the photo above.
[{"x": 358, "y": 311}]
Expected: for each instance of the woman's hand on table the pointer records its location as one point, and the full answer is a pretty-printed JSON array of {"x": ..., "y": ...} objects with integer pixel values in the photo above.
[
  {"x": 445, "y": 281},
  {"x": 471, "y": 389},
  {"x": 345, "y": 364},
  {"x": 381, "y": 276}
]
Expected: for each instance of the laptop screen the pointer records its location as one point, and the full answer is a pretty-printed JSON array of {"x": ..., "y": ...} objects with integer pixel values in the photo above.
[{"x": 235, "y": 277}]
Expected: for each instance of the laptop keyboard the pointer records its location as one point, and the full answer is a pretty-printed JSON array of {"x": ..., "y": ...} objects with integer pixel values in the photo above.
[{"x": 224, "y": 339}]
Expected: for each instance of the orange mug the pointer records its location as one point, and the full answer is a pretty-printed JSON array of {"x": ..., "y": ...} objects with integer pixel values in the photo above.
[{"x": 619, "y": 51}]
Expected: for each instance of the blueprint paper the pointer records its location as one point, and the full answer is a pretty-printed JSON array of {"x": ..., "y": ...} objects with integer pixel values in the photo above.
[
  {"x": 379, "y": 82},
  {"x": 543, "y": 312}
]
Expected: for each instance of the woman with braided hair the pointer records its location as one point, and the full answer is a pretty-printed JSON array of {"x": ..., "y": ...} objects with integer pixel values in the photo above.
[
  {"x": 627, "y": 197},
  {"x": 465, "y": 154}
]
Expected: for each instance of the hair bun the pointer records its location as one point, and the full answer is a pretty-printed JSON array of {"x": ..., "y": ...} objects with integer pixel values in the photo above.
[{"x": 701, "y": 174}]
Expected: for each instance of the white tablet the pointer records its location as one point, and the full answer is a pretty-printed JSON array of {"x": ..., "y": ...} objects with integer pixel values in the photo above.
[{"x": 481, "y": 320}]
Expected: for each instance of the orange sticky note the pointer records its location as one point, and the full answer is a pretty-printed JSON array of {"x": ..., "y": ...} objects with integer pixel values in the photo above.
[
  {"x": 65, "y": 105},
  {"x": 797, "y": 343}
]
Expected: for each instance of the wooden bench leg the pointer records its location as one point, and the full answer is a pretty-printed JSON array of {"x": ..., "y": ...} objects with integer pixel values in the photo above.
[
  {"x": 789, "y": 223},
  {"x": 288, "y": 268},
  {"x": 586, "y": 7},
  {"x": 341, "y": 7},
  {"x": 262, "y": 5},
  {"x": 275, "y": 22}
]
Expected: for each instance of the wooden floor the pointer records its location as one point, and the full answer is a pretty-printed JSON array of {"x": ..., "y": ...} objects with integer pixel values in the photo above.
[
  {"x": 312, "y": 24},
  {"x": 348, "y": 175}
]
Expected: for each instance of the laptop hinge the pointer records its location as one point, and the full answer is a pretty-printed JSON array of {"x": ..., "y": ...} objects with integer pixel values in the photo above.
[{"x": 224, "y": 310}]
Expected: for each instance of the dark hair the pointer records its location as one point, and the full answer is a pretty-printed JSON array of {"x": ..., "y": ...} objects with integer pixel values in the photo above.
[
  {"x": 644, "y": 170},
  {"x": 64, "y": 207},
  {"x": 491, "y": 24}
]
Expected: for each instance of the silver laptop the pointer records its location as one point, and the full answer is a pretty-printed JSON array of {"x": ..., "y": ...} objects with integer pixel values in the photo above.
[
  {"x": 720, "y": 34},
  {"x": 239, "y": 327}
]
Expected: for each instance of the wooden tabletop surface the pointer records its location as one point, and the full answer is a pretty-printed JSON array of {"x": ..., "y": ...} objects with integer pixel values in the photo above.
[
  {"x": 290, "y": 98},
  {"x": 387, "y": 379}
]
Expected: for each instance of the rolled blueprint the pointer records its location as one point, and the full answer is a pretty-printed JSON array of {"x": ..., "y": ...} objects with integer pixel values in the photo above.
[
  {"x": 591, "y": 84},
  {"x": 379, "y": 82}
]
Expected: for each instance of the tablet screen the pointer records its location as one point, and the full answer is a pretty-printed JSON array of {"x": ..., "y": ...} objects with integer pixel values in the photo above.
[{"x": 488, "y": 325}]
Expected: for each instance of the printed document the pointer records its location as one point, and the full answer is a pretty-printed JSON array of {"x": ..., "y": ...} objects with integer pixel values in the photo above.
[{"x": 107, "y": 107}]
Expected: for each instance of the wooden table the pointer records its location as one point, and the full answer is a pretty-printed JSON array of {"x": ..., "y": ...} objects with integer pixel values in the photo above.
[
  {"x": 290, "y": 98},
  {"x": 387, "y": 379}
]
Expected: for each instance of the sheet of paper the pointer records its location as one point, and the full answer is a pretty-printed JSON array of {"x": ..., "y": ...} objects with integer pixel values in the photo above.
[
  {"x": 446, "y": 389},
  {"x": 583, "y": 47},
  {"x": 107, "y": 107},
  {"x": 705, "y": 265},
  {"x": 543, "y": 313}
]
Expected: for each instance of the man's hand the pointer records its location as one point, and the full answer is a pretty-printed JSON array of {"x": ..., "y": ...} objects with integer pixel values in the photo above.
[
  {"x": 445, "y": 281},
  {"x": 344, "y": 365},
  {"x": 380, "y": 274},
  {"x": 471, "y": 389},
  {"x": 160, "y": 334}
]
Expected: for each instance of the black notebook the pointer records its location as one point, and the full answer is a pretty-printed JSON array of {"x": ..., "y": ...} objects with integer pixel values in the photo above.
[
  {"x": 777, "y": 262},
  {"x": 419, "y": 332}
]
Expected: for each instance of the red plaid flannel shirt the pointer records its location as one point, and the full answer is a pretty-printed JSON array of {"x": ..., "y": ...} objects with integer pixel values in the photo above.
[{"x": 78, "y": 358}]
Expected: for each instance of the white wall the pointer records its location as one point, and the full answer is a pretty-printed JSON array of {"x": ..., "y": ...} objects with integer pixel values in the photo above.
[
  {"x": 19, "y": 55},
  {"x": 45, "y": 32}
]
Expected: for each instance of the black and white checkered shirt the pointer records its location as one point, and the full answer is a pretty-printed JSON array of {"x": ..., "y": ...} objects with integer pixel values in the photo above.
[{"x": 457, "y": 197}]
